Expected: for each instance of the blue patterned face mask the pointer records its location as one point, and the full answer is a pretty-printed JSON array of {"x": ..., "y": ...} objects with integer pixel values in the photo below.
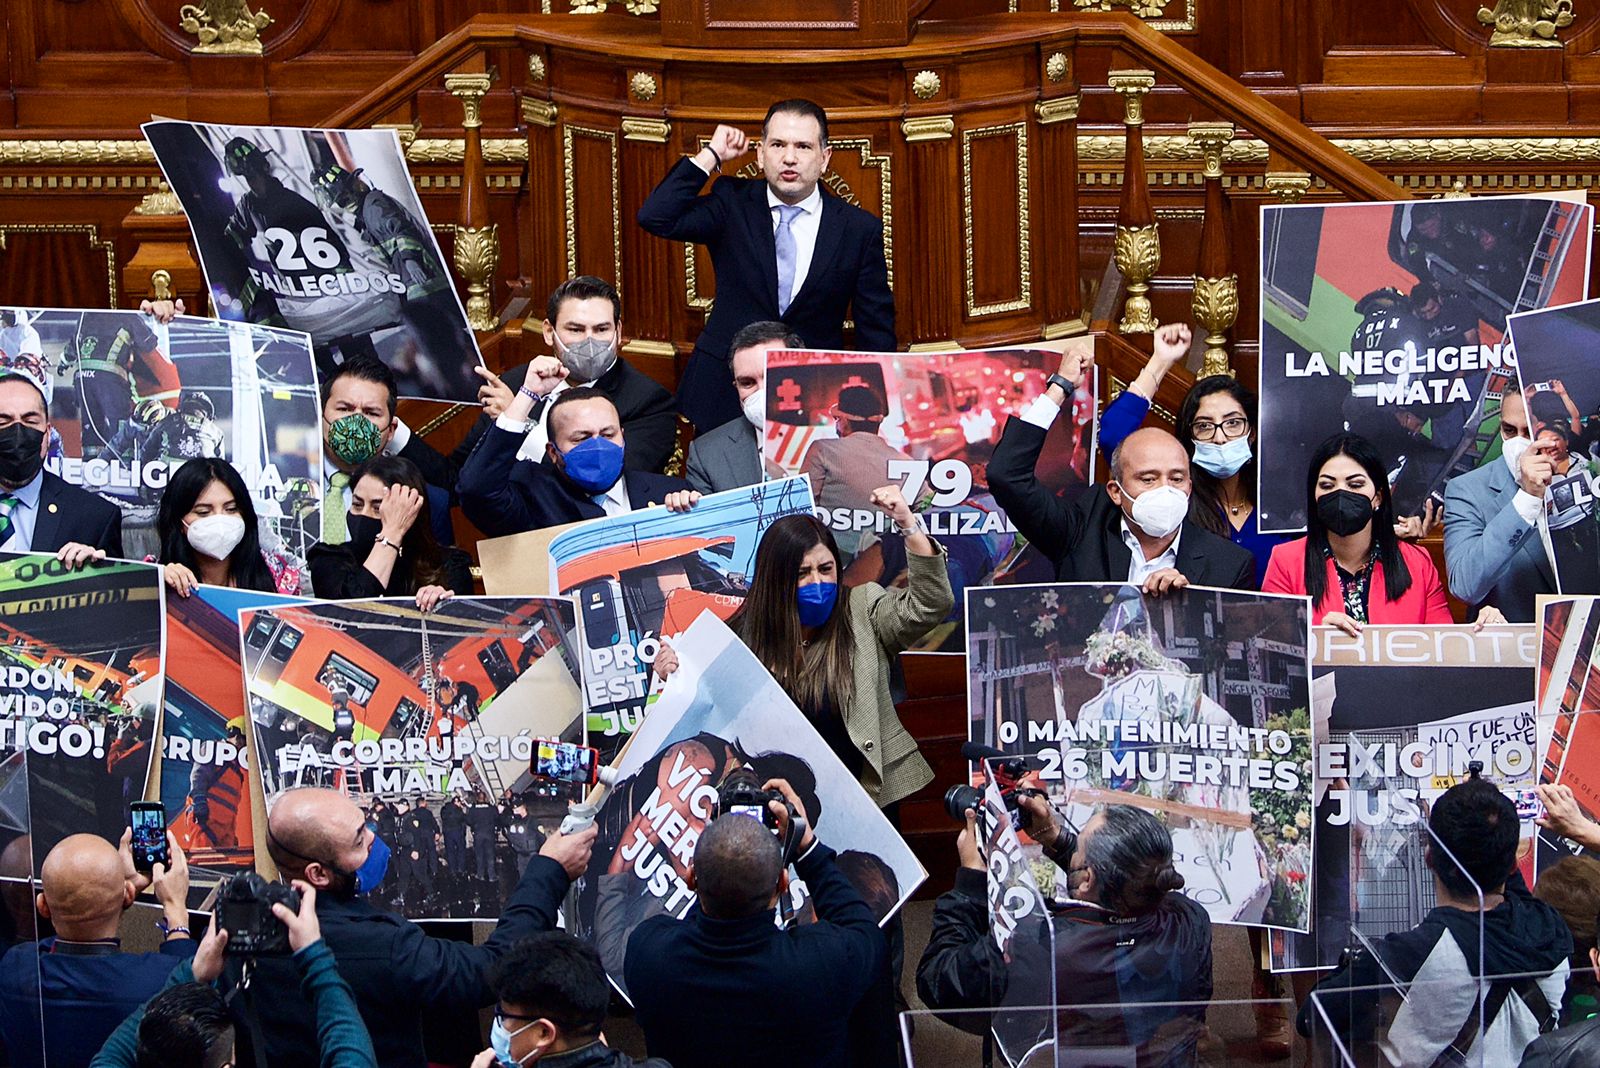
[{"x": 594, "y": 464}]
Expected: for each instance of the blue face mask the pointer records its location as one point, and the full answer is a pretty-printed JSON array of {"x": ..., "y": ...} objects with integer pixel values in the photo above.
[
  {"x": 1225, "y": 460},
  {"x": 593, "y": 465},
  {"x": 374, "y": 868},
  {"x": 500, "y": 1042},
  {"x": 816, "y": 601}
]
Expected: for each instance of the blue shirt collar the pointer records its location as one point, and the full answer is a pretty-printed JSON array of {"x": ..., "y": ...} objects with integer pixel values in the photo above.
[{"x": 28, "y": 495}]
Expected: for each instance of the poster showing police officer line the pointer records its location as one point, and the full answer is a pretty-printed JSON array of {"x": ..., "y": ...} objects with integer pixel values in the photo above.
[
  {"x": 78, "y": 699},
  {"x": 130, "y": 400},
  {"x": 718, "y": 712},
  {"x": 1562, "y": 395},
  {"x": 1194, "y": 705},
  {"x": 853, "y": 422},
  {"x": 428, "y": 721},
  {"x": 322, "y": 231},
  {"x": 1385, "y": 753},
  {"x": 644, "y": 576},
  {"x": 1388, "y": 320}
]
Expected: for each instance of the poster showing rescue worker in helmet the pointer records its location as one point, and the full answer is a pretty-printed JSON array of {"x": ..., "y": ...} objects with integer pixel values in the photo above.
[
  {"x": 322, "y": 231},
  {"x": 131, "y": 400},
  {"x": 1389, "y": 321}
]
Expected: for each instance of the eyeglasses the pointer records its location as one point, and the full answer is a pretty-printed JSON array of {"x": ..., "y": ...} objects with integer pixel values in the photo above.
[{"x": 1206, "y": 430}]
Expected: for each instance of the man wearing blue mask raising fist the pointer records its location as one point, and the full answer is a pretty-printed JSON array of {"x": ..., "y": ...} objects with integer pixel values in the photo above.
[{"x": 581, "y": 476}]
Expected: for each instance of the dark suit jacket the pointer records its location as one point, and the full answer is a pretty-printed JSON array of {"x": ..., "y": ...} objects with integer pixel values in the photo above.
[
  {"x": 649, "y": 426},
  {"x": 848, "y": 277},
  {"x": 502, "y": 495},
  {"x": 725, "y": 458},
  {"x": 67, "y": 513},
  {"x": 1084, "y": 539}
]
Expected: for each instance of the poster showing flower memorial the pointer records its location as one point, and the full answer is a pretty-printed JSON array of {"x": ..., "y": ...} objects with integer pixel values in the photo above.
[{"x": 1194, "y": 706}]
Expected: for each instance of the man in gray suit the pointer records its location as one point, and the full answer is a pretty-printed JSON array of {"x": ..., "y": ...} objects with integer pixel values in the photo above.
[
  {"x": 1492, "y": 550},
  {"x": 730, "y": 455}
]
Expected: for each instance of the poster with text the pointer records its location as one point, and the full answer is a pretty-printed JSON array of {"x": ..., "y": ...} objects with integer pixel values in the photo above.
[
  {"x": 853, "y": 422},
  {"x": 1561, "y": 387},
  {"x": 1401, "y": 711},
  {"x": 205, "y": 759},
  {"x": 720, "y": 711},
  {"x": 131, "y": 400},
  {"x": 1389, "y": 321},
  {"x": 321, "y": 231},
  {"x": 650, "y": 573},
  {"x": 1194, "y": 706},
  {"x": 426, "y": 720},
  {"x": 1568, "y": 702},
  {"x": 78, "y": 698}
]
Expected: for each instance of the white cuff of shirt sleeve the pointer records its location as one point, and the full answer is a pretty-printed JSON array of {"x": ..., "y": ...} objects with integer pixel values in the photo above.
[
  {"x": 1042, "y": 413},
  {"x": 399, "y": 439},
  {"x": 515, "y": 426},
  {"x": 695, "y": 159},
  {"x": 1528, "y": 506}
]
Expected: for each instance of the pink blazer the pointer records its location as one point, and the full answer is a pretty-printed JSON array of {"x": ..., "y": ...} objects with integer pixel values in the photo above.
[{"x": 1423, "y": 602}]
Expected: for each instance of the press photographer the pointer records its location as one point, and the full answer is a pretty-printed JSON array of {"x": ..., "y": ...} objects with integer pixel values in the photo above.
[{"x": 1126, "y": 936}]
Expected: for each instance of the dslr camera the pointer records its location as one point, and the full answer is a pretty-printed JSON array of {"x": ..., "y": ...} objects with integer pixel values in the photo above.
[
  {"x": 741, "y": 793},
  {"x": 1007, "y": 774},
  {"x": 244, "y": 909}
]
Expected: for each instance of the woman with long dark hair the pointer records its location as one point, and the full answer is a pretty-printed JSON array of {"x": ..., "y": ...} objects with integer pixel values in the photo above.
[
  {"x": 208, "y": 532},
  {"x": 1351, "y": 564},
  {"x": 391, "y": 551}
]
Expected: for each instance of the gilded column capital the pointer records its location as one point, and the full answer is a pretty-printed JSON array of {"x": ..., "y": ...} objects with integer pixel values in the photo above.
[
  {"x": 1061, "y": 109},
  {"x": 929, "y": 128},
  {"x": 469, "y": 89},
  {"x": 1132, "y": 85},
  {"x": 1288, "y": 186},
  {"x": 1211, "y": 138}
]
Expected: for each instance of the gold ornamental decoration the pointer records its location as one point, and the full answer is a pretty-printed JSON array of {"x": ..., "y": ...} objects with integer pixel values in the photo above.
[
  {"x": 224, "y": 27},
  {"x": 469, "y": 89},
  {"x": 161, "y": 201},
  {"x": 536, "y": 68},
  {"x": 1132, "y": 85},
  {"x": 926, "y": 85},
  {"x": 642, "y": 86},
  {"x": 1526, "y": 23},
  {"x": 1216, "y": 307},
  {"x": 1145, "y": 9},
  {"x": 477, "y": 254},
  {"x": 1057, "y": 66},
  {"x": 1138, "y": 253},
  {"x": 1290, "y": 187}
]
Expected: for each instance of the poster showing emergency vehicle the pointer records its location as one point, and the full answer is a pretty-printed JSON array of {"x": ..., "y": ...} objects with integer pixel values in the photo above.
[
  {"x": 322, "y": 231},
  {"x": 853, "y": 422},
  {"x": 646, "y": 575},
  {"x": 429, "y": 721},
  {"x": 78, "y": 699},
  {"x": 1195, "y": 706},
  {"x": 205, "y": 783},
  {"x": 1389, "y": 321},
  {"x": 1562, "y": 395},
  {"x": 131, "y": 400}
]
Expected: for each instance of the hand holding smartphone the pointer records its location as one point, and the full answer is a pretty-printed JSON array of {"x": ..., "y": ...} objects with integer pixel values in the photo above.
[{"x": 149, "y": 822}]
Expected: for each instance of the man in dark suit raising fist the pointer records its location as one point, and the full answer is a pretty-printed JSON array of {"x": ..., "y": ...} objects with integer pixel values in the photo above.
[
  {"x": 784, "y": 249},
  {"x": 38, "y": 511}
]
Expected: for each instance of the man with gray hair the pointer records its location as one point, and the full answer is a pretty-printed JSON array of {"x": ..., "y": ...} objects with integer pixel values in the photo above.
[
  {"x": 1125, "y": 936},
  {"x": 1136, "y": 529},
  {"x": 730, "y": 456}
]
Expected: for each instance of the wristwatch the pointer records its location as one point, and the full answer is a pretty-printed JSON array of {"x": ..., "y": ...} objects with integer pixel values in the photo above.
[{"x": 1056, "y": 380}]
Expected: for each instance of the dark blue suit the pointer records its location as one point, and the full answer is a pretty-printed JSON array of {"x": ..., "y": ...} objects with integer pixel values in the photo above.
[
  {"x": 503, "y": 495},
  {"x": 848, "y": 277}
]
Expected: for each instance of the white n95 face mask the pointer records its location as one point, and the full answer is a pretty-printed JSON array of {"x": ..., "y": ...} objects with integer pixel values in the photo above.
[
  {"x": 1160, "y": 511},
  {"x": 216, "y": 536},
  {"x": 755, "y": 409},
  {"x": 1512, "y": 452}
]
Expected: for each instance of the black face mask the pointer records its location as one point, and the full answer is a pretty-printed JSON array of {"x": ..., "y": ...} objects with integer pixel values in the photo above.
[
  {"x": 363, "y": 531},
  {"x": 1343, "y": 512},
  {"x": 20, "y": 457}
]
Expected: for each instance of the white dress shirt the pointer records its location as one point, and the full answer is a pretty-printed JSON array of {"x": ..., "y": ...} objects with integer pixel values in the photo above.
[
  {"x": 804, "y": 229},
  {"x": 537, "y": 429},
  {"x": 1139, "y": 568},
  {"x": 615, "y": 500}
]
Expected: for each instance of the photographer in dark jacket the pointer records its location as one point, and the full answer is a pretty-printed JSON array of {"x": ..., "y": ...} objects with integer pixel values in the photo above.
[
  {"x": 396, "y": 972},
  {"x": 1125, "y": 937}
]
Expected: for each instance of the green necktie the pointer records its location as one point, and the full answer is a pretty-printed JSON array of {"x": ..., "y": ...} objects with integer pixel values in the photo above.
[
  {"x": 7, "y": 527},
  {"x": 333, "y": 510}
]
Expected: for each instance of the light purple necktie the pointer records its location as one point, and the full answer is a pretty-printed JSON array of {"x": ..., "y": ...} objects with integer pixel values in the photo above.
[{"x": 783, "y": 239}]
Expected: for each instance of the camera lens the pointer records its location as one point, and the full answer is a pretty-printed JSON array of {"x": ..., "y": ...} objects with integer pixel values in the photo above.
[{"x": 961, "y": 797}]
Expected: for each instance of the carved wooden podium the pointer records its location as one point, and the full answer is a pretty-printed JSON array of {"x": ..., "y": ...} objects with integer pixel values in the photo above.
[{"x": 786, "y": 24}]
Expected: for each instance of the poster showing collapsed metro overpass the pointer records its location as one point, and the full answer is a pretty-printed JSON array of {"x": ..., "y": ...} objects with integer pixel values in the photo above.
[
  {"x": 1389, "y": 320},
  {"x": 852, "y": 422}
]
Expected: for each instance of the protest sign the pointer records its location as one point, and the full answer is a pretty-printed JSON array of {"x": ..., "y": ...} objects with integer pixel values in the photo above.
[
  {"x": 132, "y": 399},
  {"x": 1388, "y": 320},
  {"x": 928, "y": 422},
  {"x": 410, "y": 712},
  {"x": 1568, "y": 703},
  {"x": 1194, "y": 705},
  {"x": 204, "y": 779},
  {"x": 78, "y": 698},
  {"x": 1400, "y": 713},
  {"x": 648, "y": 574},
  {"x": 322, "y": 231},
  {"x": 1562, "y": 395},
  {"x": 720, "y": 711}
]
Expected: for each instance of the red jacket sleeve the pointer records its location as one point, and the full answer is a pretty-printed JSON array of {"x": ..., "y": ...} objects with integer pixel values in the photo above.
[
  {"x": 1286, "y": 569},
  {"x": 1437, "y": 607}
]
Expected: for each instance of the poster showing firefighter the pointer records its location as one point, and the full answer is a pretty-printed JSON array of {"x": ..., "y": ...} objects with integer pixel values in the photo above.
[
  {"x": 1389, "y": 321},
  {"x": 78, "y": 699},
  {"x": 1568, "y": 703},
  {"x": 205, "y": 761},
  {"x": 1385, "y": 752},
  {"x": 429, "y": 722},
  {"x": 1194, "y": 706},
  {"x": 852, "y": 422},
  {"x": 648, "y": 574},
  {"x": 321, "y": 231},
  {"x": 131, "y": 400},
  {"x": 1562, "y": 395}
]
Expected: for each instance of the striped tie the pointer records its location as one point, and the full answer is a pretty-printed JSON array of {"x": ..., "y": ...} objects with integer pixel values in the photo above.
[
  {"x": 8, "y": 502},
  {"x": 333, "y": 510}
]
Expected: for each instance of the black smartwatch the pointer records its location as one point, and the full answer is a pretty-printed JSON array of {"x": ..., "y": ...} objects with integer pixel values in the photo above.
[{"x": 1066, "y": 387}]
